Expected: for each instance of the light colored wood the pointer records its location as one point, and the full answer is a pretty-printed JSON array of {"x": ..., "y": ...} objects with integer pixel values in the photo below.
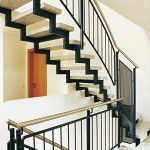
[
  {"x": 101, "y": 95},
  {"x": 54, "y": 45},
  {"x": 13, "y": 4},
  {"x": 80, "y": 68},
  {"x": 87, "y": 77},
  {"x": 71, "y": 57},
  {"x": 111, "y": 34},
  {"x": 40, "y": 137},
  {"x": 65, "y": 27},
  {"x": 93, "y": 86},
  {"x": 51, "y": 9},
  {"x": 28, "y": 18},
  {"x": 44, "y": 31},
  {"x": 63, "y": 114}
]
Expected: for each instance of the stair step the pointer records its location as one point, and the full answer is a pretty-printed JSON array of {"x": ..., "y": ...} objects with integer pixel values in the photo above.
[
  {"x": 93, "y": 86},
  {"x": 13, "y": 4},
  {"x": 86, "y": 78},
  {"x": 101, "y": 95},
  {"x": 81, "y": 68},
  {"x": 138, "y": 117},
  {"x": 65, "y": 27},
  {"x": 142, "y": 129},
  {"x": 49, "y": 45},
  {"x": 29, "y": 18},
  {"x": 44, "y": 31},
  {"x": 71, "y": 57}
]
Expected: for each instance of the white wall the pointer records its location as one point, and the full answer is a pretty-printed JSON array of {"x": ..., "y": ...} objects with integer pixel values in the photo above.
[
  {"x": 135, "y": 42},
  {"x": 22, "y": 110},
  {"x": 15, "y": 62}
]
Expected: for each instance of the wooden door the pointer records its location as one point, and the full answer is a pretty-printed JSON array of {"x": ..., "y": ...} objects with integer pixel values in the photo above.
[{"x": 37, "y": 74}]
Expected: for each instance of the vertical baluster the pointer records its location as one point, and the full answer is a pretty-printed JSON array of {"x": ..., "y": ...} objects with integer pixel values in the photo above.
[
  {"x": 82, "y": 23},
  {"x": 101, "y": 133},
  {"x": 108, "y": 56},
  {"x": 92, "y": 133},
  {"x": 115, "y": 131},
  {"x": 105, "y": 49},
  {"x": 88, "y": 127},
  {"x": 34, "y": 142},
  {"x": 112, "y": 132},
  {"x": 20, "y": 145},
  {"x": 73, "y": 7},
  {"x": 68, "y": 137},
  {"x": 134, "y": 100},
  {"x": 67, "y": 3},
  {"x": 81, "y": 137},
  {"x": 109, "y": 128},
  {"x": 97, "y": 35},
  {"x": 101, "y": 41},
  {"x": 61, "y": 138},
  {"x": 12, "y": 137},
  {"x": 75, "y": 130},
  {"x": 97, "y": 131},
  {"x": 79, "y": 12},
  {"x": 93, "y": 26},
  {"x": 89, "y": 18},
  {"x": 53, "y": 139},
  {"x": 84, "y": 13},
  {"x": 44, "y": 140},
  {"x": 111, "y": 61},
  {"x": 105, "y": 130}
]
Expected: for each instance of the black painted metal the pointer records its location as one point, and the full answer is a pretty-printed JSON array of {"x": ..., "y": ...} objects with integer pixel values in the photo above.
[
  {"x": 11, "y": 144},
  {"x": 88, "y": 130},
  {"x": 78, "y": 133},
  {"x": 88, "y": 36},
  {"x": 127, "y": 89}
]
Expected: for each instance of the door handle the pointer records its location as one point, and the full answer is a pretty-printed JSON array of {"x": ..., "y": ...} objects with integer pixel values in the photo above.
[{"x": 34, "y": 85}]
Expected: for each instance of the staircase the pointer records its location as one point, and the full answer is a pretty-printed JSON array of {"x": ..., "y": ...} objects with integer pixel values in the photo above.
[
  {"x": 46, "y": 41},
  {"x": 142, "y": 129},
  {"x": 53, "y": 40}
]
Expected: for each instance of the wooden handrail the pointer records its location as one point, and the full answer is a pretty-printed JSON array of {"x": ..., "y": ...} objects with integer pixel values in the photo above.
[
  {"x": 28, "y": 131},
  {"x": 111, "y": 34},
  {"x": 67, "y": 113}
]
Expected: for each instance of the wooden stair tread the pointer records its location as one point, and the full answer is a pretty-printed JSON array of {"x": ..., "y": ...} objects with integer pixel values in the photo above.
[
  {"x": 87, "y": 77},
  {"x": 44, "y": 31},
  {"x": 13, "y": 4},
  {"x": 70, "y": 57},
  {"x": 100, "y": 95},
  {"x": 93, "y": 86},
  {"x": 54, "y": 46},
  {"x": 28, "y": 18},
  {"x": 80, "y": 68},
  {"x": 142, "y": 128},
  {"x": 65, "y": 27}
]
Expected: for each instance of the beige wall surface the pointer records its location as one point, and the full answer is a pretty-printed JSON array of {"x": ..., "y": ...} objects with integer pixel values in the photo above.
[{"x": 14, "y": 65}]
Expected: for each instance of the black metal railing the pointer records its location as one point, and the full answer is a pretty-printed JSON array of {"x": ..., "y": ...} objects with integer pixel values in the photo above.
[
  {"x": 91, "y": 26},
  {"x": 95, "y": 131},
  {"x": 127, "y": 89}
]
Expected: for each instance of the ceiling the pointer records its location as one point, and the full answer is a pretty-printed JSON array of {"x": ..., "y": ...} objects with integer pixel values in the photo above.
[{"x": 138, "y": 11}]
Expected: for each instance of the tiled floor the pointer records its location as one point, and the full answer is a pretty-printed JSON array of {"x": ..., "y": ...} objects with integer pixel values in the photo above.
[{"x": 145, "y": 145}]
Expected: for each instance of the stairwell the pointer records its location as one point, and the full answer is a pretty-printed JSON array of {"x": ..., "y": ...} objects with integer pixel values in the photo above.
[{"x": 53, "y": 40}]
